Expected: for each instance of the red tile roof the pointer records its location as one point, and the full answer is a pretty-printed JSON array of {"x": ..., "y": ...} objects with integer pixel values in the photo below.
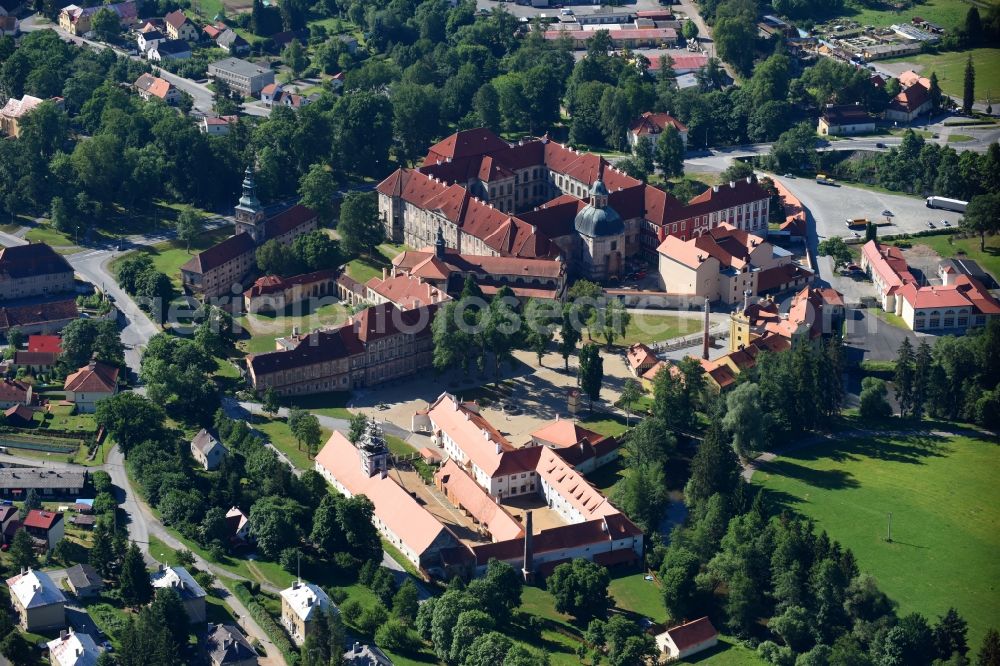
[
  {"x": 43, "y": 520},
  {"x": 13, "y": 390},
  {"x": 220, "y": 254},
  {"x": 32, "y": 260},
  {"x": 270, "y": 284},
  {"x": 51, "y": 312},
  {"x": 654, "y": 123},
  {"x": 288, "y": 220},
  {"x": 19, "y": 412},
  {"x": 175, "y": 19},
  {"x": 912, "y": 98},
  {"x": 35, "y": 358},
  {"x": 95, "y": 377},
  {"x": 45, "y": 343},
  {"x": 692, "y": 633}
]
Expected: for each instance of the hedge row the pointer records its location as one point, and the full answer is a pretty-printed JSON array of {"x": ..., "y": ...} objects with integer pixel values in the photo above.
[{"x": 267, "y": 623}]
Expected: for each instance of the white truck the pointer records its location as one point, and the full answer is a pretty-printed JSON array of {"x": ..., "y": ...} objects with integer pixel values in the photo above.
[{"x": 947, "y": 204}]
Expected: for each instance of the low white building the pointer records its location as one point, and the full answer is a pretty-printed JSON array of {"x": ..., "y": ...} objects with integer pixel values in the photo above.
[
  {"x": 90, "y": 384},
  {"x": 73, "y": 649},
  {"x": 687, "y": 639},
  {"x": 207, "y": 450}
]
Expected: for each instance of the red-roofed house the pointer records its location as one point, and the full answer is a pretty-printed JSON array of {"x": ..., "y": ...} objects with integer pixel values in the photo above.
[
  {"x": 46, "y": 526},
  {"x": 585, "y": 449},
  {"x": 19, "y": 416},
  {"x": 687, "y": 639},
  {"x": 14, "y": 392},
  {"x": 273, "y": 293},
  {"x": 650, "y": 125},
  {"x": 640, "y": 359},
  {"x": 404, "y": 291},
  {"x": 179, "y": 26},
  {"x": 148, "y": 86},
  {"x": 51, "y": 344},
  {"x": 912, "y": 102},
  {"x": 90, "y": 384}
]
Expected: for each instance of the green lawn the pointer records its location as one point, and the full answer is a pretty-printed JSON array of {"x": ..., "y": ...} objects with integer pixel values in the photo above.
[
  {"x": 264, "y": 328},
  {"x": 332, "y": 403},
  {"x": 281, "y": 437},
  {"x": 947, "y": 13},
  {"x": 727, "y": 653},
  {"x": 950, "y": 66},
  {"x": 959, "y": 138},
  {"x": 648, "y": 327},
  {"x": 945, "y": 506},
  {"x": 968, "y": 248},
  {"x": 604, "y": 423},
  {"x": 49, "y": 235},
  {"x": 363, "y": 269},
  {"x": 634, "y": 593},
  {"x": 169, "y": 256}
]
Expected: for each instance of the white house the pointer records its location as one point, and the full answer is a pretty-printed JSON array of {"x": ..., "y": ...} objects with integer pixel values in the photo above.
[
  {"x": 207, "y": 450},
  {"x": 147, "y": 40},
  {"x": 687, "y": 639},
  {"x": 73, "y": 649},
  {"x": 191, "y": 593},
  {"x": 90, "y": 384},
  {"x": 300, "y": 605},
  {"x": 171, "y": 49}
]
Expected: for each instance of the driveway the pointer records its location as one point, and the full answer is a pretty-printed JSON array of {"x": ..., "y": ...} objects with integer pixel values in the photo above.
[{"x": 869, "y": 338}]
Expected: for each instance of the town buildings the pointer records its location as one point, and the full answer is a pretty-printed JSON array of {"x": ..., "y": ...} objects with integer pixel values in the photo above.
[
  {"x": 624, "y": 37},
  {"x": 650, "y": 125},
  {"x": 84, "y": 581},
  {"x": 46, "y": 527},
  {"x": 38, "y": 602},
  {"x": 207, "y": 451},
  {"x": 221, "y": 269},
  {"x": 379, "y": 343},
  {"x": 497, "y": 487},
  {"x": 10, "y": 26},
  {"x": 406, "y": 292},
  {"x": 15, "y": 482},
  {"x": 169, "y": 49},
  {"x": 912, "y": 102},
  {"x": 14, "y": 392},
  {"x": 725, "y": 263},
  {"x": 845, "y": 120},
  {"x": 45, "y": 317},
  {"x": 238, "y": 525},
  {"x": 191, "y": 593},
  {"x": 241, "y": 76},
  {"x": 226, "y": 645},
  {"x": 230, "y": 42},
  {"x": 149, "y": 86},
  {"x": 217, "y": 125},
  {"x": 14, "y": 111},
  {"x": 271, "y": 293},
  {"x": 179, "y": 26},
  {"x": 538, "y": 199},
  {"x": 90, "y": 384},
  {"x": 684, "y": 640},
  {"x": 147, "y": 39},
  {"x": 33, "y": 270},
  {"x": 73, "y": 649},
  {"x": 300, "y": 605},
  {"x": 77, "y": 20},
  {"x": 956, "y": 306}
]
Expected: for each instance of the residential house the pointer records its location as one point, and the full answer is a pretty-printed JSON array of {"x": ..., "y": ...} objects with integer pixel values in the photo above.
[
  {"x": 909, "y": 104},
  {"x": 16, "y": 109},
  {"x": 90, "y": 384},
  {"x": 10, "y": 7},
  {"x": 148, "y": 39},
  {"x": 217, "y": 125},
  {"x": 77, "y": 20},
  {"x": 149, "y": 86},
  {"x": 207, "y": 450},
  {"x": 73, "y": 649},
  {"x": 241, "y": 76},
  {"x": 226, "y": 645},
  {"x": 684, "y": 640},
  {"x": 650, "y": 125},
  {"x": 14, "y": 392},
  {"x": 221, "y": 269},
  {"x": 45, "y": 526},
  {"x": 171, "y": 49},
  {"x": 845, "y": 120},
  {"x": 274, "y": 94},
  {"x": 19, "y": 416},
  {"x": 376, "y": 345},
  {"x": 84, "y": 521},
  {"x": 180, "y": 27},
  {"x": 640, "y": 359},
  {"x": 238, "y": 526},
  {"x": 15, "y": 482},
  {"x": 35, "y": 362},
  {"x": 33, "y": 270},
  {"x": 191, "y": 593},
  {"x": 274, "y": 294},
  {"x": 685, "y": 64},
  {"x": 230, "y": 42},
  {"x": 38, "y": 602},
  {"x": 10, "y": 26},
  {"x": 84, "y": 581},
  {"x": 47, "y": 317},
  {"x": 51, "y": 344},
  {"x": 725, "y": 263},
  {"x": 364, "y": 654},
  {"x": 909, "y": 78},
  {"x": 300, "y": 605}
]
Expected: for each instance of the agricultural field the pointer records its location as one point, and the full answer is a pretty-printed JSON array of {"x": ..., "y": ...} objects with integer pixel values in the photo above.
[
  {"x": 950, "y": 69},
  {"x": 944, "y": 503}
]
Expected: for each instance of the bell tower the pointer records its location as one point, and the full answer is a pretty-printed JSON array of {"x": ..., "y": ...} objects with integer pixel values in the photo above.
[{"x": 249, "y": 213}]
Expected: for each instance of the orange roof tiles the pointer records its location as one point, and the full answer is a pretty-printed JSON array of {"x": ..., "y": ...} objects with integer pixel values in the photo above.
[
  {"x": 469, "y": 495},
  {"x": 565, "y": 433},
  {"x": 474, "y": 435},
  {"x": 639, "y": 355},
  {"x": 96, "y": 377},
  {"x": 407, "y": 292}
]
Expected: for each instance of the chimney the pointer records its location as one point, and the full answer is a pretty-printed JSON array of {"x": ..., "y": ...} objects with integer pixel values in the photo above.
[
  {"x": 357, "y": 648},
  {"x": 383, "y": 273},
  {"x": 746, "y": 300},
  {"x": 704, "y": 340},
  {"x": 732, "y": 184},
  {"x": 63, "y": 635},
  {"x": 528, "y": 567}
]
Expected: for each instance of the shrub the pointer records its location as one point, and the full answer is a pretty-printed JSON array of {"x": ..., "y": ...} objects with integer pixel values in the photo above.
[{"x": 267, "y": 623}]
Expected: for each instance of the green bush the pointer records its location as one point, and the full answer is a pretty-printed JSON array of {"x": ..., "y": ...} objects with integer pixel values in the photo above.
[{"x": 267, "y": 623}]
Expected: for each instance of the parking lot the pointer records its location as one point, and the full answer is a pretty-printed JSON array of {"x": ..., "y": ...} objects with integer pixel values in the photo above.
[{"x": 832, "y": 206}]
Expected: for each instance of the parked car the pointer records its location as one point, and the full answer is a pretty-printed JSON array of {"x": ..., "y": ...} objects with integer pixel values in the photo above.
[
  {"x": 945, "y": 223},
  {"x": 789, "y": 175},
  {"x": 887, "y": 212},
  {"x": 880, "y": 145},
  {"x": 930, "y": 224}
]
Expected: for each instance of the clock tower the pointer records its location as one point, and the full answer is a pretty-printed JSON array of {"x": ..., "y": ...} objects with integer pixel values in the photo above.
[{"x": 249, "y": 213}]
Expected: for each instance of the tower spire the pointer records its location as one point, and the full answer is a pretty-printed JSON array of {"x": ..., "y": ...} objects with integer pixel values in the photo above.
[{"x": 249, "y": 213}]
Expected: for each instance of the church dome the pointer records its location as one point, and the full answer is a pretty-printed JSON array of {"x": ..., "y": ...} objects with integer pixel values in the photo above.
[{"x": 598, "y": 218}]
